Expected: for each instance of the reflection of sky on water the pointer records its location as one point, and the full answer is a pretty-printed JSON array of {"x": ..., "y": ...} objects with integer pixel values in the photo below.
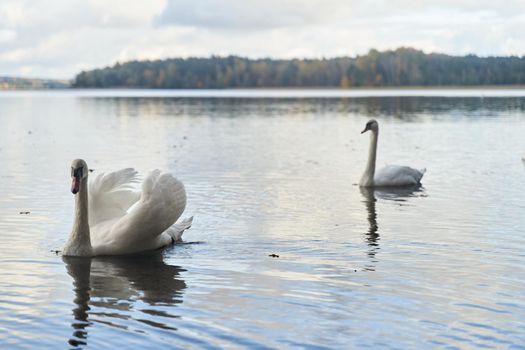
[{"x": 272, "y": 176}]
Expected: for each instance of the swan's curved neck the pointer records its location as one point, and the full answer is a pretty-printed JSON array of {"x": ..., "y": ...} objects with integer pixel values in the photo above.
[
  {"x": 79, "y": 243},
  {"x": 368, "y": 175}
]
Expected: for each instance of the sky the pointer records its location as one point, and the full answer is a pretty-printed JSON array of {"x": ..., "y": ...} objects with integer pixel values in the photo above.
[{"x": 59, "y": 38}]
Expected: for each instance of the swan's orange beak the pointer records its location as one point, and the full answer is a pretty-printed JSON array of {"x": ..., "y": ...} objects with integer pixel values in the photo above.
[
  {"x": 365, "y": 130},
  {"x": 75, "y": 186}
]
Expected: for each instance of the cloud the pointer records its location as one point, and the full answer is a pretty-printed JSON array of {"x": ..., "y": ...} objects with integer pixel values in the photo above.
[
  {"x": 274, "y": 14},
  {"x": 58, "y": 38},
  {"x": 247, "y": 15}
]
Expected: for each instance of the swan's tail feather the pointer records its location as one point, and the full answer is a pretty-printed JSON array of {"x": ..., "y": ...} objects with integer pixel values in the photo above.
[
  {"x": 421, "y": 173},
  {"x": 176, "y": 230}
]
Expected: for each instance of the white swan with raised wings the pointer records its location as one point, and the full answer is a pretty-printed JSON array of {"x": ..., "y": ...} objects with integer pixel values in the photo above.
[{"x": 112, "y": 219}]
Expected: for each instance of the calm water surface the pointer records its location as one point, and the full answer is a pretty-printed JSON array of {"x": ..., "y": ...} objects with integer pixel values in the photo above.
[{"x": 439, "y": 267}]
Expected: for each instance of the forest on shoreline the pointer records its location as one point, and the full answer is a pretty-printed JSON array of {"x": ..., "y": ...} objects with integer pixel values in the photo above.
[{"x": 400, "y": 67}]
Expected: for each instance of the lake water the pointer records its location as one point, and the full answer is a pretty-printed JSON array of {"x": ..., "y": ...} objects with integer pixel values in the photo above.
[{"x": 271, "y": 173}]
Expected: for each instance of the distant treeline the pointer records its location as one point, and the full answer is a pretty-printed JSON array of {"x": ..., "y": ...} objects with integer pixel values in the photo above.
[
  {"x": 11, "y": 83},
  {"x": 401, "y": 67}
]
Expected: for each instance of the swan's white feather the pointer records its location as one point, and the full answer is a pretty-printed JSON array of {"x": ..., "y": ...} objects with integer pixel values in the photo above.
[
  {"x": 111, "y": 195},
  {"x": 397, "y": 175},
  {"x": 175, "y": 231},
  {"x": 149, "y": 224}
]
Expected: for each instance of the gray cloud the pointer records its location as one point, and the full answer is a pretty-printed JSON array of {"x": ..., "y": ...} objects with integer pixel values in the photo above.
[
  {"x": 249, "y": 14},
  {"x": 58, "y": 38}
]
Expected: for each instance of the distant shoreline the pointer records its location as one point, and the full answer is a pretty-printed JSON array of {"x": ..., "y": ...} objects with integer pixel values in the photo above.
[
  {"x": 292, "y": 88},
  {"x": 277, "y": 93},
  {"x": 403, "y": 67}
]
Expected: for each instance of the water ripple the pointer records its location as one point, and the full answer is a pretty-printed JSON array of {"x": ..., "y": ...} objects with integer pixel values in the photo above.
[{"x": 436, "y": 267}]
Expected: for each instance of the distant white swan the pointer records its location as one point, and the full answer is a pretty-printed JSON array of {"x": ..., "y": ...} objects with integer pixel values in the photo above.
[
  {"x": 112, "y": 219},
  {"x": 390, "y": 175}
]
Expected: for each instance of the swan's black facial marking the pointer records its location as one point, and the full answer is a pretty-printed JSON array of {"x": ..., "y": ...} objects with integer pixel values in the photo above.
[
  {"x": 78, "y": 172},
  {"x": 77, "y": 175},
  {"x": 369, "y": 126}
]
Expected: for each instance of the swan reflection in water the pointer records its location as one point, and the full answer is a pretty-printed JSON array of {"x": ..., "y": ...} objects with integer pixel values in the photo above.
[
  {"x": 372, "y": 237},
  {"x": 106, "y": 289}
]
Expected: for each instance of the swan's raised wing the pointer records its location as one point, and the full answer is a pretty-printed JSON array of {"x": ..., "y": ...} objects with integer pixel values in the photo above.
[
  {"x": 111, "y": 195},
  {"x": 161, "y": 203}
]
